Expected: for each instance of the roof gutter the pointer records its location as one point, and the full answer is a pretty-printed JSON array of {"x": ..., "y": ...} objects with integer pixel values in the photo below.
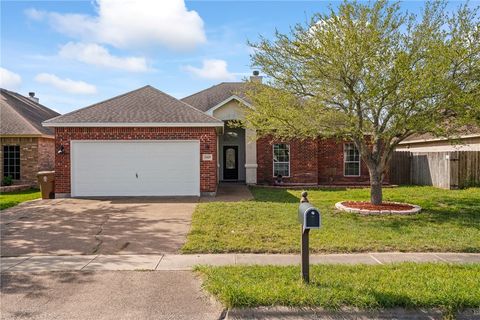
[
  {"x": 47, "y": 136},
  {"x": 440, "y": 139}
]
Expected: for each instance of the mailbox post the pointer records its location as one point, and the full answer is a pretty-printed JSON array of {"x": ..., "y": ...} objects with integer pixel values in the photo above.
[{"x": 309, "y": 218}]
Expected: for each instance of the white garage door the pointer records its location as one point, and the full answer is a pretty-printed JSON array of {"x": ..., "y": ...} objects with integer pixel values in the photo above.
[{"x": 135, "y": 168}]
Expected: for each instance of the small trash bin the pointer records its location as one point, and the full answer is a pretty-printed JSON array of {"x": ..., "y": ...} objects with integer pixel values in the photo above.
[{"x": 46, "y": 181}]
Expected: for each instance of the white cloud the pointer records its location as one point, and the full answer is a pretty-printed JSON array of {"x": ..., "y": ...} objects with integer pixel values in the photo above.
[
  {"x": 9, "y": 79},
  {"x": 97, "y": 55},
  {"x": 132, "y": 23},
  {"x": 212, "y": 69},
  {"x": 67, "y": 85},
  {"x": 35, "y": 14}
]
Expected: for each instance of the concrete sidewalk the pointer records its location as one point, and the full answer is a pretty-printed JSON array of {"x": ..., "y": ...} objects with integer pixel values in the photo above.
[{"x": 187, "y": 262}]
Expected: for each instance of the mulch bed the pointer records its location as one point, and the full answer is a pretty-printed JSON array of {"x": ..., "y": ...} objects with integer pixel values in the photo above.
[
  {"x": 383, "y": 206},
  {"x": 366, "y": 208}
]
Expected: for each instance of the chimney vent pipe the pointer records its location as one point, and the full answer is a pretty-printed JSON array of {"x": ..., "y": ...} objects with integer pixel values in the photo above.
[
  {"x": 32, "y": 96},
  {"x": 256, "y": 77}
]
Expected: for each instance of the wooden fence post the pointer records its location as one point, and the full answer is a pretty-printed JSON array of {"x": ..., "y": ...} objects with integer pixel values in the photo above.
[{"x": 454, "y": 170}]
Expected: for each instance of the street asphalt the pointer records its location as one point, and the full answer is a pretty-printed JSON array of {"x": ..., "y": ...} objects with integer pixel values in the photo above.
[{"x": 106, "y": 295}]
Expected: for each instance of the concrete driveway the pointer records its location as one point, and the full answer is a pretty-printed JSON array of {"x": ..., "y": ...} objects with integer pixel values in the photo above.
[
  {"x": 100, "y": 226},
  {"x": 105, "y": 295}
]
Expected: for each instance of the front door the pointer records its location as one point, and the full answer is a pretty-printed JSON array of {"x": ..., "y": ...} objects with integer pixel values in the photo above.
[{"x": 230, "y": 162}]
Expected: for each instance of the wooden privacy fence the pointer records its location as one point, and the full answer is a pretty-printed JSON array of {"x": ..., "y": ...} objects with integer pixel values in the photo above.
[
  {"x": 400, "y": 167},
  {"x": 447, "y": 170}
]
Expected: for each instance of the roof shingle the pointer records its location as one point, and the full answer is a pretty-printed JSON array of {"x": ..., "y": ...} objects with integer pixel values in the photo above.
[
  {"x": 210, "y": 97},
  {"x": 22, "y": 116},
  {"x": 141, "y": 106}
]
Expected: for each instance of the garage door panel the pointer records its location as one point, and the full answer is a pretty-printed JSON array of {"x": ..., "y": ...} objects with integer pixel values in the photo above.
[{"x": 135, "y": 168}]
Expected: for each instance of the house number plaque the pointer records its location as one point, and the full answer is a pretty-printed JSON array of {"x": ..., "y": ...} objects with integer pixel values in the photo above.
[{"x": 207, "y": 157}]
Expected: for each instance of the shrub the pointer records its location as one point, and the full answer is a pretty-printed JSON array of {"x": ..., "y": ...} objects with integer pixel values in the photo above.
[{"x": 7, "y": 181}]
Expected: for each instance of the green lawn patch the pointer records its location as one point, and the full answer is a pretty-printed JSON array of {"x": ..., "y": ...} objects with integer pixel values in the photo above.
[
  {"x": 450, "y": 221},
  {"x": 10, "y": 199},
  {"x": 407, "y": 285}
]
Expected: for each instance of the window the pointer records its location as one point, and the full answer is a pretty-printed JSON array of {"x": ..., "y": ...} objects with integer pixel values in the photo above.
[
  {"x": 230, "y": 159},
  {"x": 11, "y": 162},
  {"x": 281, "y": 160},
  {"x": 230, "y": 136},
  {"x": 351, "y": 160}
]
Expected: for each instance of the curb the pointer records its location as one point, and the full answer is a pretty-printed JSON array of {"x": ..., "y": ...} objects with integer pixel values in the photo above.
[{"x": 287, "y": 313}]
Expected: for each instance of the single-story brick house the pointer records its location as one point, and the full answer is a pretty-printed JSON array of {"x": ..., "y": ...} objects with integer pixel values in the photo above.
[
  {"x": 26, "y": 146},
  {"x": 147, "y": 143}
]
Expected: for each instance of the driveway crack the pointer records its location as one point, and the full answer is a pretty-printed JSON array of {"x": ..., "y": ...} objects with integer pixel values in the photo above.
[{"x": 97, "y": 235}]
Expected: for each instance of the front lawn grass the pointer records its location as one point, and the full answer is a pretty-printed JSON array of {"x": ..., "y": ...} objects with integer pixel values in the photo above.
[
  {"x": 450, "y": 221},
  {"x": 10, "y": 199},
  {"x": 407, "y": 285}
]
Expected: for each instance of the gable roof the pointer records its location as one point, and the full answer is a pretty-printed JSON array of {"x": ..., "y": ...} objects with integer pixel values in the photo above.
[
  {"x": 22, "y": 116},
  {"x": 146, "y": 106},
  {"x": 206, "y": 99}
]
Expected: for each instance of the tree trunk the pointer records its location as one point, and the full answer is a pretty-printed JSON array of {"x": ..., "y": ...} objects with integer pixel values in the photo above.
[{"x": 376, "y": 195}]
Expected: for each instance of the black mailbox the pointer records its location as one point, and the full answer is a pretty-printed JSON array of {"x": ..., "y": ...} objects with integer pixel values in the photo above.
[{"x": 309, "y": 216}]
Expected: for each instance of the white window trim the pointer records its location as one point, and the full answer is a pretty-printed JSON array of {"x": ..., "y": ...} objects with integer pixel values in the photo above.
[
  {"x": 345, "y": 161},
  {"x": 273, "y": 162}
]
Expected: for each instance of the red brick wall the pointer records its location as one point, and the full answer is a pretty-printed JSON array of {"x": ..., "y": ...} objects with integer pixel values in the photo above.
[
  {"x": 46, "y": 154},
  {"x": 303, "y": 161},
  {"x": 28, "y": 158},
  {"x": 207, "y": 137},
  {"x": 318, "y": 161},
  {"x": 330, "y": 169}
]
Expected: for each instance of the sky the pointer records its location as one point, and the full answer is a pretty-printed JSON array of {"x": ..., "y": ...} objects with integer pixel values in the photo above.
[{"x": 76, "y": 53}]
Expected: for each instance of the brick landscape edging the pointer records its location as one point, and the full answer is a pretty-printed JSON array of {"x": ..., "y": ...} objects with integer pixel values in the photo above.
[
  {"x": 415, "y": 209},
  {"x": 16, "y": 187}
]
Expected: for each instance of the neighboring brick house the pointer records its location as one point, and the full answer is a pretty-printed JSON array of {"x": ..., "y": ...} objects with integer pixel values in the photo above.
[
  {"x": 147, "y": 143},
  {"x": 26, "y": 146}
]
